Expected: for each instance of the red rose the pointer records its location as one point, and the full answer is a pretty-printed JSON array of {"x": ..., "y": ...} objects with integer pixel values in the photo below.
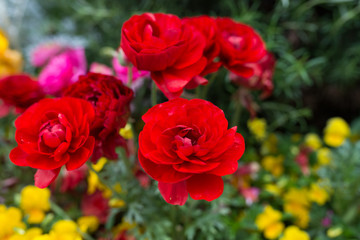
[
  {"x": 111, "y": 100},
  {"x": 20, "y": 91},
  {"x": 186, "y": 146},
  {"x": 261, "y": 79},
  {"x": 160, "y": 43},
  {"x": 240, "y": 45},
  {"x": 53, "y": 133}
]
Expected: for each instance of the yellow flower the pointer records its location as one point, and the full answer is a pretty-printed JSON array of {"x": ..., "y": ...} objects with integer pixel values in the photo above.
[
  {"x": 44, "y": 237},
  {"x": 336, "y": 131},
  {"x": 273, "y": 165},
  {"x": 10, "y": 218},
  {"x": 4, "y": 43},
  {"x": 273, "y": 189},
  {"x": 318, "y": 194},
  {"x": 297, "y": 195},
  {"x": 294, "y": 233},
  {"x": 296, "y": 137},
  {"x": 64, "y": 230},
  {"x": 324, "y": 156},
  {"x": 35, "y": 202},
  {"x": 116, "y": 203},
  {"x": 257, "y": 126},
  {"x": 312, "y": 141},
  {"x": 269, "y": 146},
  {"x": 300, "y": 213},
  {"x": 334, "y": 232},
  {"x": 30, "y": 234},
  {"x": 123, "y": 226},
  {"x": 88, "y": 223},
  {"x": 94, "y": 182},
  {"x": 127, "y": 132},
  {"x": 269, "y": 222}
]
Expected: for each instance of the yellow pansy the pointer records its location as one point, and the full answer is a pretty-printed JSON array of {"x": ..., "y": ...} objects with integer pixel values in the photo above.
[
  {"x": 269, "y": 146},
  {"x": 312, "y": 141},
  {"x": 35, "y": 202},
  {"x": 123, "y": 226},
  {"x": 297, "y": 195},
  {"x": 273, "y": 189},
  {"x": 10, "y": 218},
  {"x": 294, "y": 233},
  {"x": 336, "y": 132},
  {"x": 318, "y": 194},
  {"x": 300, "y": 213},
  {"x": 30, "y": 234},
  {"x": 324, "y": 156},
  {"x": 126, "y": 132},
  {"x": 273, "y": 164},
  {"x": 269, "y": 221},
  {"x": 257, "y": 126},
  {"x": 88, "y": 223},
  {"x": 65, "y": 230}
]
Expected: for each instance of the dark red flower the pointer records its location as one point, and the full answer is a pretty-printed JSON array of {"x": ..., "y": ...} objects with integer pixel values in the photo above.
[
  {"x": 53, "y": 133},
  {"x": 111, "y": 100},
  {"x": 187, "y": 147},
  {"x": 95, "y": 205},
  {"x": 261, "y": 79},
  {"x": 20, "y": 91},
  {"x": 170, "y": 50},
  {"x": 240, "y": 45}
]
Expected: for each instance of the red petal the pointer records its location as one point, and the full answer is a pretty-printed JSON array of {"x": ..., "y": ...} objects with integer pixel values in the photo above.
[
  {"x": 205, "y": 187},
  {"x": 44, "y": 178},
  {"x": 18, "y": 157},
  {"x": 160, "y": 172},
  {"x": 174, "y": 193},
  {"x": 229, "y": 160},
  {"x": 78, "y": 158}
]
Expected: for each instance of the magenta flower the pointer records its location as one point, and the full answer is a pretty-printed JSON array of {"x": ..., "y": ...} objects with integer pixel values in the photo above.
[
  {"x": 63, "y": 70},
  {"x": 44, "y": 52},
  {"x": 122, "y": 74}
]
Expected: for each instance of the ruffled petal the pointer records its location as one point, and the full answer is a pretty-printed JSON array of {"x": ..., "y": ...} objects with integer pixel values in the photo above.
[
  {"x": 205, "y": 187},
  {"x": 174, "y": 193},
  {"x": 44, "y": 178}
]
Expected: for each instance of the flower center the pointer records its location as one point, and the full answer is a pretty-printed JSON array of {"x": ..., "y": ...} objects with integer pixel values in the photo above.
[
  {"x": 236, "y": 41},
  {"x": 52, "y": 134},
  {"x": 185, "y": 141}
]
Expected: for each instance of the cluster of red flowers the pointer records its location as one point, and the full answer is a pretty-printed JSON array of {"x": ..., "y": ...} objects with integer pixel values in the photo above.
[
  {"x": 68, "y": 130},
  {"x": 180, "y": 52},
  {"x": 185, "y": 144}
]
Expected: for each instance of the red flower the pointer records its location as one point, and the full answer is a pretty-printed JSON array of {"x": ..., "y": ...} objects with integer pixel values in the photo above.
[
  {"x": 207, "y": 27},
  {"x": 20, "y": 91},
  {"x": 262, "y": 77},
  {"x": 111, "y": 100},
  {"x": 160, "y": 43},
  {"x": 240, "y": 45},
  {"x": 95, "y": 205},
  {"x": 53, "y": 133},
  {"x": 186, "y": 146}
]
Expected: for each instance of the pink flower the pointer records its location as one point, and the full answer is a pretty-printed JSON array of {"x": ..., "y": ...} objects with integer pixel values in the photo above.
[
  {"x": 122, "y": 74},
  {"x": 100, "y": 68},
  {"x": 44, "y": 52},
  {"x": 63, "y": 70},
  {"x": 251, "y": 194}
]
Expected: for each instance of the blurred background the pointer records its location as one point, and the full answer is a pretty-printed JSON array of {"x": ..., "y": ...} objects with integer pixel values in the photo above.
[{"x": 316, "y": 43}]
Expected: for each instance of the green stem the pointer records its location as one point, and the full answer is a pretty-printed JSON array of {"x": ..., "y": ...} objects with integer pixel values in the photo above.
[
  {"x": 59, "y": 211},
  {"x": 153, "y": 94},
  {"x": 129, "y": 75},
  {"x": 207, "y": 86},
  {"x": 236, "y": 115}
]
